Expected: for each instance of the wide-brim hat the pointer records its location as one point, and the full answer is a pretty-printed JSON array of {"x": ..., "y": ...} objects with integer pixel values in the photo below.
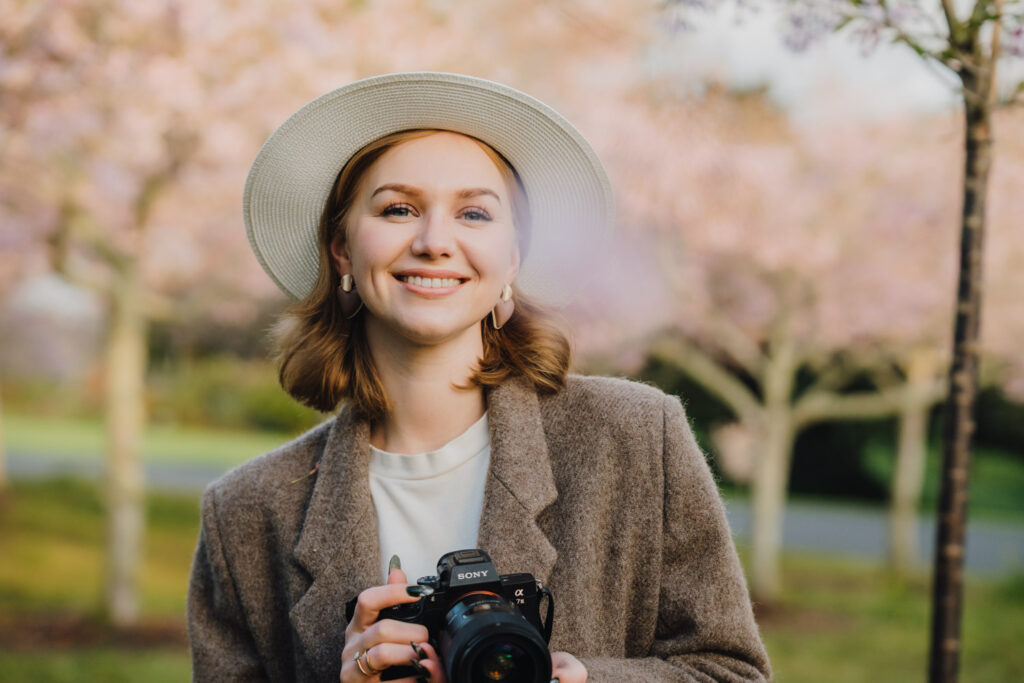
[{"x": 568, "y": 190}]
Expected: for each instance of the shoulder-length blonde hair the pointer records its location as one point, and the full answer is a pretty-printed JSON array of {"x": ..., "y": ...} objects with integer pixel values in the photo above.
[{"x": 324, "y": 358}]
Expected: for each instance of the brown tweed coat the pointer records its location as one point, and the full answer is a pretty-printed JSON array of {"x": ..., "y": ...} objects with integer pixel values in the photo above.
[{"x": 600, "y": 491}]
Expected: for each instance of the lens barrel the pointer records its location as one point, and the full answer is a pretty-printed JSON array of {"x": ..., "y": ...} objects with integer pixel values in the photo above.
[{"x": 485, "y": 638}]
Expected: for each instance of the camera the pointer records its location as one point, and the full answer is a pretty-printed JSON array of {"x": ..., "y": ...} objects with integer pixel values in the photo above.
[{"x": 484, "y": 626}]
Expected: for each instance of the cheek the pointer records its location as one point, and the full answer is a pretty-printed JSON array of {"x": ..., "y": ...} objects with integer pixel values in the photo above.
[
  {"x": 370, "y": 250},
  {"x": 494, "y": 255}
]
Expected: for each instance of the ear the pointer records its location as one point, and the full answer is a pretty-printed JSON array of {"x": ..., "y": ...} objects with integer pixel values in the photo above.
[
  {"x": 339, "y": 254},
  {"x": 513, "y": 269}
]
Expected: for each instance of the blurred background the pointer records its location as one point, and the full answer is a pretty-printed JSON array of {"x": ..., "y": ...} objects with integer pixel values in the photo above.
[{"x": 785, "y": 260}]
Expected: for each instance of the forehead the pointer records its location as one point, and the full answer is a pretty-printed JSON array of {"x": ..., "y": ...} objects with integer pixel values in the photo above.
[{"x": 440, "y": 160}]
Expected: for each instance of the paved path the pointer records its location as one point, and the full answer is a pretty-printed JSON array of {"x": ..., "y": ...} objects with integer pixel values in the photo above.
[{"x": 992, "y": 547}]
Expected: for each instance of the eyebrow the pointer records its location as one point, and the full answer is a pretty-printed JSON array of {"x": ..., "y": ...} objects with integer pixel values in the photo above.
[{"x": 409, "y": 190}]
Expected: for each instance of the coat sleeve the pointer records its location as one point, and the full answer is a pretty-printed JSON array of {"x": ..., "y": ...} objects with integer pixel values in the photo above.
[
  {"x": 705, "y": 628},
  {"x": 222, "y": 646}
]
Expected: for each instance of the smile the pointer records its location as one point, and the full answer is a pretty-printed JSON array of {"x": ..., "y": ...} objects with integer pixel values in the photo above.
[{"x": 430, "y": 282}]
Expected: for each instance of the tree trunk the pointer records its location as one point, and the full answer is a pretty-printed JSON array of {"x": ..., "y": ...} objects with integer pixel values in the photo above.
[
  {"x": 908, "y": 478},
  {"x": 771, "y": 474},
  {"x": 947, "y": 595},
  {"x": 125, "y": 368},
  {"x": 3, "y": 451}
]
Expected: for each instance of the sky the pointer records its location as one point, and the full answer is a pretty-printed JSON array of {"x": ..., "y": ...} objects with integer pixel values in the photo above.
[{"x": 834, "y": 78}]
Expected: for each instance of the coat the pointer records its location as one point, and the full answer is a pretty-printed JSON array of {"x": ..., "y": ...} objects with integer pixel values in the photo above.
[{"x": 600, "y": 491}]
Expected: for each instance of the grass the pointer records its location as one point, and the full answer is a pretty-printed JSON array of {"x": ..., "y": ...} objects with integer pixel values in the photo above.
[
  {"x": 838, "y": 620},
  {"x": 843, "y": 621},
  {"x": 83, "y": 438},
  {"x": 997, "y": 479},
  {"x": 106, "y": 664}
]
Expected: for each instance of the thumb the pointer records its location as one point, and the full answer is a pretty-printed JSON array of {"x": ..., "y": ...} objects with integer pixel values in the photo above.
[{"x": 395, "y": 573}]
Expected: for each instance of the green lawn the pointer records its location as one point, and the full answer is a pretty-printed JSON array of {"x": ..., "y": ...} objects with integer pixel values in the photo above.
[
  {"x": 997, "y": 479},
  {"x": 84, "y": 438},
  {"x": 837, "y": 621}
]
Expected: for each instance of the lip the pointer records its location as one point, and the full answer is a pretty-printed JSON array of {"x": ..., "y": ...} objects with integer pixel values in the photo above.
[{"x": 430, "y": 292}]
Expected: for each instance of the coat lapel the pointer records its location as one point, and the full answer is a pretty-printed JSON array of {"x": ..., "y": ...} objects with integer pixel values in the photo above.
[
  {"x": 520, "y": 484},
  {"x": 338, "y": 544}
]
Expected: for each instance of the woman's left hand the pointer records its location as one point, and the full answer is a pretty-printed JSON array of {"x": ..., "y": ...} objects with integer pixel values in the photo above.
[{"x": 567, "y": 669}]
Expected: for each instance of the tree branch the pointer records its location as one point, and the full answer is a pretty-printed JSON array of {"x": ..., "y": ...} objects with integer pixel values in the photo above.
[
  {"x": 703, "y": 369},
  {"x": 951, "y": 21},
  {"x": 819, "y": 406}
]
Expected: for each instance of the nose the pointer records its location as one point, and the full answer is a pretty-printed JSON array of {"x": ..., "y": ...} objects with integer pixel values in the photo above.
[{"x": 435, "y": 238}]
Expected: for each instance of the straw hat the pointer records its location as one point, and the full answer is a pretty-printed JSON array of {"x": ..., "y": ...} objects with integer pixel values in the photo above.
[{"x": 570, "y": 196}]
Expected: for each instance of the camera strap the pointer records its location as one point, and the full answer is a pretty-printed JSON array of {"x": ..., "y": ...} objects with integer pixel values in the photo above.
[{"x": 548, "y": 623}]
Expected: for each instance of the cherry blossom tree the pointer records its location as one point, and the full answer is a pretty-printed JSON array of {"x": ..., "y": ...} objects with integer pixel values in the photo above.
[
  {"x": 969, "y": 45},
  {"x": 128, "y": 129}
]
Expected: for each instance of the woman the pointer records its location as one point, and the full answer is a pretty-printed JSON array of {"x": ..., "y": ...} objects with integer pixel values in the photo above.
[{"x": 460, "y": 426}]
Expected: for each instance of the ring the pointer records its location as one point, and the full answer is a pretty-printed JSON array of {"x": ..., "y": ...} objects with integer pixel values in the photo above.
[{"x": 362, "y": 660}]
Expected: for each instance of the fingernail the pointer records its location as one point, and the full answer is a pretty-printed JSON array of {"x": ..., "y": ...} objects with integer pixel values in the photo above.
[
  {"x": 395, "y": 563},
  {"x": 420, "y": 669},
  {"x": 420, "y": 652},
  {"x": 419, "y": 591}
]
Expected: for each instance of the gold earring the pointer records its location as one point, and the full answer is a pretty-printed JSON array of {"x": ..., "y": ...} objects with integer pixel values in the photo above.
[
  {"x": 349, "y": 301},
  {"x": 502, "y": 311}
]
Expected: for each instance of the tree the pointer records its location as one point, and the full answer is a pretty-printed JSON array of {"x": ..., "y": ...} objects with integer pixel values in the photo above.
[
  {"x": 761, "y": 232},
  {"x": 969, "y": 46},
  {"x": 131, "y": 126}
]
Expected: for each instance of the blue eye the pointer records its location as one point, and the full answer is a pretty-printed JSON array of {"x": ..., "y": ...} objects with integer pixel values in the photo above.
[
  {"x": 399, "y": 210},
  {"x": 476, "y": 215}
]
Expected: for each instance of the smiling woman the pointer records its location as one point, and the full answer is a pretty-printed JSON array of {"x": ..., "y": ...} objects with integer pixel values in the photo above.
[
  {"x": 321, "y": 351},
  {"x": 395, "y": 210}
]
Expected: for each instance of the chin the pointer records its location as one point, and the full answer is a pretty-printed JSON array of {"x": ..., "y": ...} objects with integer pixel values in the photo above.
[{"x": 432, "y": 332}]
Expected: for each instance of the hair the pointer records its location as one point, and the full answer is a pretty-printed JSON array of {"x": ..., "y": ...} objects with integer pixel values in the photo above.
[{"x": 324, "y": 358}]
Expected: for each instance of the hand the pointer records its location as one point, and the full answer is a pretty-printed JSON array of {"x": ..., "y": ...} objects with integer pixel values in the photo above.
[
  {"x": 567, "y": 669},
  {"x": 387, "y": 642}
]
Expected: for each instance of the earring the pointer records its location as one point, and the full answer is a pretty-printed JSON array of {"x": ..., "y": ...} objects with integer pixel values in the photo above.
[
  {"x": 502, "y": 311},
  {"x": 348, "y": 299}
]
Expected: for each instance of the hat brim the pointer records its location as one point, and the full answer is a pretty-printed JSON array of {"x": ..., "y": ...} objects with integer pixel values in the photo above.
[{"x": 568, "y": 189}]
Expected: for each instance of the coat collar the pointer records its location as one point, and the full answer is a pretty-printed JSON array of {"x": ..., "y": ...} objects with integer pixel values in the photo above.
[{"x": 340, "y": 549}]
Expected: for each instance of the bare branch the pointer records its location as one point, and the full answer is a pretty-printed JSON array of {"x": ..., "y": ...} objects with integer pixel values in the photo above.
[
  {"x": 703, "y": 369},
  {"x": 951, "y": 21},
  {"x": 819, "y": 406}
]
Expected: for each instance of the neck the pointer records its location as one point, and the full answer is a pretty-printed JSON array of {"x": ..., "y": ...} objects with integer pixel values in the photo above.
[{"x": 421, "y": 382}]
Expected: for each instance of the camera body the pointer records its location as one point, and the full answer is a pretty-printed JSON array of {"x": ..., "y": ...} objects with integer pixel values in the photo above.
[{"x": 485, "y": 626}]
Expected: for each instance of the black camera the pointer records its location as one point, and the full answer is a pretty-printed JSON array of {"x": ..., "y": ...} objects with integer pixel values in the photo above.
[{"x": 484, "y": 626}]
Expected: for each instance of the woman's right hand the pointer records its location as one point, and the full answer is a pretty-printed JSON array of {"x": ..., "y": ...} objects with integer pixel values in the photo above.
[{"x": 388, "y": 642}]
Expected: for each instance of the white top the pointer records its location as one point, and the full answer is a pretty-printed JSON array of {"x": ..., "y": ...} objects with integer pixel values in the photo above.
[{"x": 429, "y": 504}]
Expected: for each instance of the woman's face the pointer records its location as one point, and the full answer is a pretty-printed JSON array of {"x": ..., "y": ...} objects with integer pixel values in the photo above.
[{"x": 429, "y": 239}]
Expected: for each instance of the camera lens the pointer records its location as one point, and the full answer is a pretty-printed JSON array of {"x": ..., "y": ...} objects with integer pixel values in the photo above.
[
  {"x": 502, "y": 661},
  {"x": 487, "y": 639}
]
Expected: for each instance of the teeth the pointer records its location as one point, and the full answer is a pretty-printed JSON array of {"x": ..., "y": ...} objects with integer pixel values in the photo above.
[{"x": 431, "y": 282}]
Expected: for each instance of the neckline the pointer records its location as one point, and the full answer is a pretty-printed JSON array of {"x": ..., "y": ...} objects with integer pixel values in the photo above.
[{"x": 451, "y": 455}]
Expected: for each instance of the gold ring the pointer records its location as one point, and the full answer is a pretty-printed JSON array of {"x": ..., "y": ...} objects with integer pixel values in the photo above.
[{"x": 362, "y": 660}]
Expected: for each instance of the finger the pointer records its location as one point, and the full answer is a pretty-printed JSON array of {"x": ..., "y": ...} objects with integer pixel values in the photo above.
[
  {"x": 395, "y": 573},
  {"x": 567, "y": 668},
  {"x": 385, "y": 655},
  {"x": 372, "y": 600},
  {"x": 393, "y": 631},
  {"x": 432, "y": 663}
]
